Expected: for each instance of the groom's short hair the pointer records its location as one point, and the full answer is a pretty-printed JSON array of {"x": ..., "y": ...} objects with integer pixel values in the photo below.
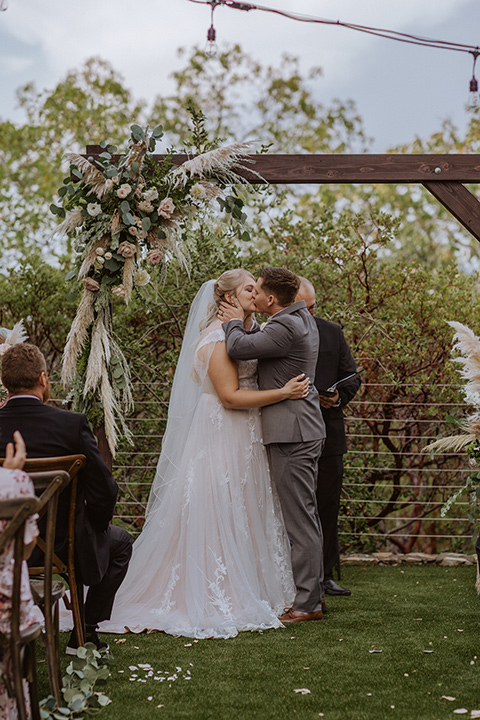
[
  {"x": 22, "y": 366},
  {"x": 281, "y": 283}
]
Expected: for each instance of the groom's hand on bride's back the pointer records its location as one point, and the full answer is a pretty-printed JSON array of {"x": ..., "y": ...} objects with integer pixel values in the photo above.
[{"x": 227, "y": 311}]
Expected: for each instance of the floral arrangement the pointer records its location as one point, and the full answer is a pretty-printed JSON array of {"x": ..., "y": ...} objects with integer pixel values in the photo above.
[
  {"x": 468, "y": 345},
  {"x": 128, "y": 216}
]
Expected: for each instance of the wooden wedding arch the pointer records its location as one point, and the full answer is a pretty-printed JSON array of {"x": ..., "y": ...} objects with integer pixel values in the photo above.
[{"x": 442, "y": 175}]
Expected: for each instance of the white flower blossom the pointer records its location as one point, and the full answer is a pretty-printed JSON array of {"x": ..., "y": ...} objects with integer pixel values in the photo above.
[
  {"x": 94, "y": 209},
  {"x": 166, "y": 208},
  {"x": 145, "y": 206},
  {"x": 198, "y": 192},
  {"x": 141, "y": 278},
  {"x": 150, "y": 195},
  {"x": 124, "y": 190},
  {"x": 108, "y": 255}
]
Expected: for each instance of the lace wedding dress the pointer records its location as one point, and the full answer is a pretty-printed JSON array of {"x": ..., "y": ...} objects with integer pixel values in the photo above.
[{"x": 213, "y": 556}]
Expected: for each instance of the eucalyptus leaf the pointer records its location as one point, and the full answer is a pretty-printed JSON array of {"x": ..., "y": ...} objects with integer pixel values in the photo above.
[
  {"x": 124, "y": 206},
  {"x": 105, "y": 156},
  {"x": 135, "y": 167},
  {"x": 76, "y": 173},
  {"x": 146, "y": 224},
  {"x": 70, "y": 274},
  {"x": 103, "y": 700},
  {"x": 109, "y": 280},
  {"x": 157, "y": 132},
  {"x": 112, "y": 264}
]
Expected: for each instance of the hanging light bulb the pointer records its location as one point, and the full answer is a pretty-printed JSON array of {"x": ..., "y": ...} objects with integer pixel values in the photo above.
[
  {"x": 211, "y": 48},
  {"x": 3, "y": 5},
  {"x": 473, "y": 98}
]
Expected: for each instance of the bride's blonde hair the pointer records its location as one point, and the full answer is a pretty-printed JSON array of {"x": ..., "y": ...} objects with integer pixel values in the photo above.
[{"x": 227, "y": 283}]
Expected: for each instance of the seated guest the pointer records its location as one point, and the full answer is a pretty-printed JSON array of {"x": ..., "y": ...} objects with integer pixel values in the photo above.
[
  {"x": 15, "y": 484},
  {"x": 102, "y": 550}
]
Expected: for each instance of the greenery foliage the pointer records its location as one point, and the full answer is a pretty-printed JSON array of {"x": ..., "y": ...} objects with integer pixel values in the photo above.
[{"x": 84, "y": 675}]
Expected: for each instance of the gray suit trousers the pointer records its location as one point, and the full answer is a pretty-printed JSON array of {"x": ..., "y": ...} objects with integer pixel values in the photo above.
[{"x": 293, "y": 467}]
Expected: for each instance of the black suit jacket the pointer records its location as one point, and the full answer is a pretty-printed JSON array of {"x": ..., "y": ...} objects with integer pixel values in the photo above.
[
  {"x": 334, "y": 362},
  {"x": 48, "y": 432}
]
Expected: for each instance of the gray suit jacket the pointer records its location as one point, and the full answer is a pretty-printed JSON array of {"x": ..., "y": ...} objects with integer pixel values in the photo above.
[{"x": 286, "y": 347}]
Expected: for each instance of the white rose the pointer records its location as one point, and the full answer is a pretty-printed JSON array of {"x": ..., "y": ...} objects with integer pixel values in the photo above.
[
  {"x": 145, "y": 206},
  {"x": 133, "y": 230},
  {"x": 100, "y": 251},
  {"x": 166, "y": 208},
  {"x": 108, "y": 256},
  {"x": 94, "y": 209},
  {"x": 141, "y": 278},
  {"x": 124, "y": 190},
  {"x": 108, "y": 184},
  {"x": 99, "y": 260}
]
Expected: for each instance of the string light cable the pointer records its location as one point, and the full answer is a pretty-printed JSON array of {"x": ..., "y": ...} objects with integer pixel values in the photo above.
[{"x": 378, "y": 32}]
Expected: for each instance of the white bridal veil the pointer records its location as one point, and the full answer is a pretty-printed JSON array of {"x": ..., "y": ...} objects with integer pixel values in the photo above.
[{"x": 186, "y": 392}]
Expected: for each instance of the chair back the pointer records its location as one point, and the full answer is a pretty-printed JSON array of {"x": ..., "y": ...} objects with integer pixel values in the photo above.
[{"x": 71, "y": 464}]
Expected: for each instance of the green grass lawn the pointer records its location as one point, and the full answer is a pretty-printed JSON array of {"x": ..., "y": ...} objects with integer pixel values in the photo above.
[{"x": 401, "y": 611}]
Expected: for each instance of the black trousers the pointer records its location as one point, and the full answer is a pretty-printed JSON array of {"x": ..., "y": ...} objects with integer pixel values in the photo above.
[
  {"x": 100, "y": 597},
  {"x": 329, "y": 486}
]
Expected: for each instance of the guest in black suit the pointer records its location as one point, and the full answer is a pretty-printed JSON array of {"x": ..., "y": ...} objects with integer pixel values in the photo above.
[
  {"x": 103, "y": 551},
  {"x": 334, "y": 362}
]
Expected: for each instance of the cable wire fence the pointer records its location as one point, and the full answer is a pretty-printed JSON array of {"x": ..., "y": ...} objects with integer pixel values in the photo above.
[{"x": 392, "y": 493}]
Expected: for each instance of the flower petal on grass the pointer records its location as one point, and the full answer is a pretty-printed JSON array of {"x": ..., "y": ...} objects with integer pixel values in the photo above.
[
  {"x": 460, "y": 711},
  {"x": 302, "y": 691},
  {"x": 447, "y": 697}
]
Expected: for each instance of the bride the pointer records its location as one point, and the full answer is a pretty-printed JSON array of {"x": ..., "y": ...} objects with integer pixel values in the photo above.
[{"x": 213, "y": 557}]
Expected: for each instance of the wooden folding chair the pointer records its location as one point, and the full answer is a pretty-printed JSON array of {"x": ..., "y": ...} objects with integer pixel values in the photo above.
[
  {"x": 21, "y": 643},
  {"x": 71, "y": 464},
  {"x": 47, "y": 593}
]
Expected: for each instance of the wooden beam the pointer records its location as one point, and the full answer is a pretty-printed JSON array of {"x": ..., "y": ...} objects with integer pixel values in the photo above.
[
  {"x": 442, "y": 175},
  {"x": 389, "y": 168},
  {"x": 460, "y": 202}
]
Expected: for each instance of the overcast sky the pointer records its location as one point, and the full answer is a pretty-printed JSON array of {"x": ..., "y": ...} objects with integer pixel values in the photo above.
[{"x": 400, "y": 90}]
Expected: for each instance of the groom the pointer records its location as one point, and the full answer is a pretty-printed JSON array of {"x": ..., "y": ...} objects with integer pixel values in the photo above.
[{"x": 293, "y": 430}]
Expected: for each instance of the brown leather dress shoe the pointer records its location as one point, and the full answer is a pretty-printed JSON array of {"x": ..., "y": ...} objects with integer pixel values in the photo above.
[{"x": 299, "y": 616}]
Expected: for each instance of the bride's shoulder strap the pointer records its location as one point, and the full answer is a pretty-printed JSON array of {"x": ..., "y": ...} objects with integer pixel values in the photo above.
[{"x": 209, "y": 336}]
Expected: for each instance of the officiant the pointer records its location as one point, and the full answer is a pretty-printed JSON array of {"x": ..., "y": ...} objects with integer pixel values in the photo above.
[{"x": 334, "y": 362}]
